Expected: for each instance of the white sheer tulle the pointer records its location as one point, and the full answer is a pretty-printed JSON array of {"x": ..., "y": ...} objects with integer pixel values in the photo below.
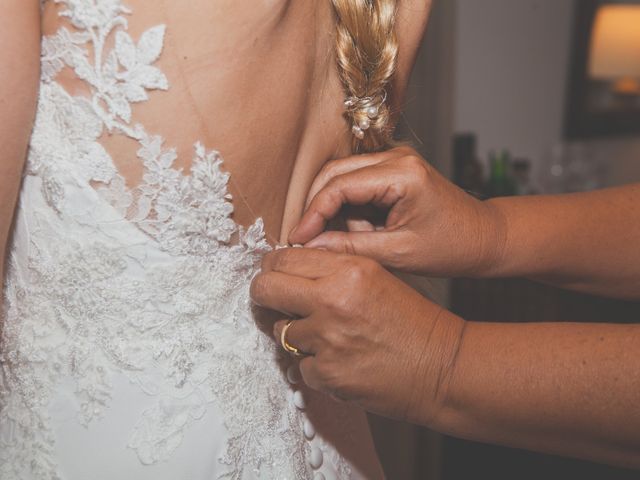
[{"x": 129, "y": 341}]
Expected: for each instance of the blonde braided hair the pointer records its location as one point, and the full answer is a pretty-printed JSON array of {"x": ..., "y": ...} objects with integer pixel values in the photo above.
[{"x": 367, "y": 52}]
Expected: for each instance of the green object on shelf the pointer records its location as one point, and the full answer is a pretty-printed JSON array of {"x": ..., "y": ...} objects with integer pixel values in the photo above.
[{"x": 501, "y": 182}]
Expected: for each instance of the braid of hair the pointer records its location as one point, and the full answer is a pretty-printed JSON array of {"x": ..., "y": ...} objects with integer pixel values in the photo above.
[{"x": 367, "y": 52}]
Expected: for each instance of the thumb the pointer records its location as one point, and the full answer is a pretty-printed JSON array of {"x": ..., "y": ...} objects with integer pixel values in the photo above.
[
  {"x": 369, "y": 185},
  {"x": 379, "y": 246}
]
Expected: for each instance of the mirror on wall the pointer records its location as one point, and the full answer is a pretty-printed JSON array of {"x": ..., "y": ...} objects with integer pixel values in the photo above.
[{"x": 604, "y": 86}]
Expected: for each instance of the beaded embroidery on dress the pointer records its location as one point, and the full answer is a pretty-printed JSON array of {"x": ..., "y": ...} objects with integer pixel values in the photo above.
[{"x": 147, "y": 283}]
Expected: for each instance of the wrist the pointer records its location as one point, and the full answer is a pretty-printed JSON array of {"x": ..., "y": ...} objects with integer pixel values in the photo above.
[
  {"x": 492, "y": 239},
  {"x": 435, "y": 369},
  {"x": 456, "y": 403}
]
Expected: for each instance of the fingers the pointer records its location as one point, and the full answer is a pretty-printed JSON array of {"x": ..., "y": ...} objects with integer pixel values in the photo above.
[
  {"x": 344, "y": 165},
  {"x": 293, "y": 296},
  {"x": 310, "y": 371},
  {"x": 383, "y": 247},
  {"x": 319, "y": 377},
  {"x": 302, "y": 262},
  {"x": 301, "y": 334},
  {"x": 359, "y": 225},
  {"x": 369, "y": 185},
  {"x": 363, "y": 218}
]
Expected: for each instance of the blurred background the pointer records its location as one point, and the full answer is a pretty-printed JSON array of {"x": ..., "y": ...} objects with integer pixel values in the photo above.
[{"x": 513, "y": 97}]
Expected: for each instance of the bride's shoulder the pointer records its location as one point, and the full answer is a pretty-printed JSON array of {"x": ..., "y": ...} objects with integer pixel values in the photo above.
[
  {"x": 414, "y": 11},
  {"x": 411, "y": 23}
]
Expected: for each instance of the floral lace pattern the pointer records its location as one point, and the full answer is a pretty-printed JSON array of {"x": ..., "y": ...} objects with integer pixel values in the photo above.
[{"x": 150, "y": 282}]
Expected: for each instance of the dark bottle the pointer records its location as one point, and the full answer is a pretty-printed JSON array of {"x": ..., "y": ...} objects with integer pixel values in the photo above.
[{"x": 467, "y": 169}]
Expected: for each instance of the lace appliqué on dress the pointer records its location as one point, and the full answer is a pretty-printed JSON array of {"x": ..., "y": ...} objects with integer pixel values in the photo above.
[{"x": 97, "y": 305}]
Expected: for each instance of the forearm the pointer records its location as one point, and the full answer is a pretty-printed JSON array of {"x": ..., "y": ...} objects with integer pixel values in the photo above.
[
  {"x": 568, "y": 389},
  {"x": 588, "y": 242}
]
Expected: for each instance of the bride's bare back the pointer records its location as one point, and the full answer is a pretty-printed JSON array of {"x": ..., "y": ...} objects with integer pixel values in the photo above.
[
  {"x": 256, "y": 81},
  {"x": 128, "y": 319}
]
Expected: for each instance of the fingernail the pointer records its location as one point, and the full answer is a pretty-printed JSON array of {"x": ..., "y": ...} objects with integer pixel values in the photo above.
[
  {"x": 293, "y": 232},
  {"x": 318, "y": 245}
]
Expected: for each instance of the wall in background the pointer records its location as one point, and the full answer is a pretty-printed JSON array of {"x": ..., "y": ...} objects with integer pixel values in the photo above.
[{"x": 512, "y": 60}]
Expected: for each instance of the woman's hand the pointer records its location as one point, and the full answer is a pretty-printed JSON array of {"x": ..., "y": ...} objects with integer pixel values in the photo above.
[
  {"x": 429, "y": 225},
  {"x": 369, "y": 338}
]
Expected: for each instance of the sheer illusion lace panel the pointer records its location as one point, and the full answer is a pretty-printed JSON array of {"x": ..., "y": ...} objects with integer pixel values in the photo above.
[
  {"x": 129, "y": 268},
  {"x": 118, "y": 67}
]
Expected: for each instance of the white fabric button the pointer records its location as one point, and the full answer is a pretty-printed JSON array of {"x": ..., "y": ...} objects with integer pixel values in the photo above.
[
  {"x": 292, "y": 374},
  {"x": 298, "y": 400},
  {"x": 329, "y": 475},
  {"x": 316, "y": 457},
  {"x": 309, "y": 430}
]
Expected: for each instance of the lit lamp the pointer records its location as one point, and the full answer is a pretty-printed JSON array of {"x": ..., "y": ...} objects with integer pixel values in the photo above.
[{"x": 615, "y": 48}]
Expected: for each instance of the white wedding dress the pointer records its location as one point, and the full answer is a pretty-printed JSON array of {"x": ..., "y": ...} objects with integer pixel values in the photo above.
[{"x": 129, "y": 349}]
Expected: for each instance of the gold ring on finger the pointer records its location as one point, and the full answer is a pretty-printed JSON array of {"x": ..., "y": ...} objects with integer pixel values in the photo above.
[{"x": 296, "y": 352}]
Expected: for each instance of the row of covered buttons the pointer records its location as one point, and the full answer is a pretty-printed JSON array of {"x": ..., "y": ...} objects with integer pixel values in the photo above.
[{"x": 316, "y": 458}]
